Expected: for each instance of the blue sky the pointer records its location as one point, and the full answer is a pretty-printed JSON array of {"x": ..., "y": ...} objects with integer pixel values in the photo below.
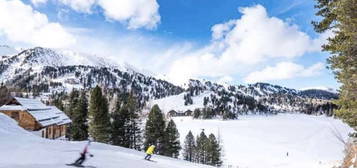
[{"x": 233, "y": 41}]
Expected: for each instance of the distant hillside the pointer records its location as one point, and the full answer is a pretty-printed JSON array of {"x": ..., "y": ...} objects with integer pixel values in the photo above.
[
  {"x": 319, "y": 94},
  {"x": 230, "y": 101}
]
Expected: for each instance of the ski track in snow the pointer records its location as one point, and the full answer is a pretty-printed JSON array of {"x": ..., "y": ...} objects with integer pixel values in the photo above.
[{"x": 263, "y": 141}]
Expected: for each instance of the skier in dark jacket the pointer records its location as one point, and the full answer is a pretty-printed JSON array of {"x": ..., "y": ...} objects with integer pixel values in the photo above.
[{"x": 84, "y": 153}]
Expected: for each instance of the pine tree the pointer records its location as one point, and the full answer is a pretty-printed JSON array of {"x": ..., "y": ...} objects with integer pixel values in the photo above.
[
  {"x": 227, "y": 114},
  {"x": 340, "y": 16},
  {"x": 202, "y": 148},
  {"x": 99, "y": 120},
  {"x": 189, "y": 148},
  {"x": 73, "y": 100},
  {"x": 119, "y": 129},
  {"x": 155, "y": 129},
  {"x": 135, "y": 140},
  {"x": 213, "y": 151},
  {"x": 196, "y": 113},
  {"x": 70, "y": 111},
  {"x": 207, "y": 113},
  {"x": 58, "y": 103},
  {"x": 79, "y": 127},
  {"x": 126, "y": 130},
  {"x": 171, "y": 145}
]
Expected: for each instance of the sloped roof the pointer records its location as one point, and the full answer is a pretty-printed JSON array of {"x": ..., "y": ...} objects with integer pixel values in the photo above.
[
  {"x": 64, "y": 119},
  {"x": 31, "y": 104},
  {"x": 45, "y": 115},
  {"x": 12, "y": 107}
]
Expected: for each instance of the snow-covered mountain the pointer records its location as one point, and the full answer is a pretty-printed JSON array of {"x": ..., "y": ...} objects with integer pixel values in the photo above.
[
  {"x": 256, "y": 98},
  {"x": 40, "y": 70},
  {"x": 46, "y": 70}
]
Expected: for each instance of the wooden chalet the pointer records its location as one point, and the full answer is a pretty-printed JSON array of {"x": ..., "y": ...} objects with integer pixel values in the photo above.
[
  {"x": 173, "y": 113},
  {"x": 33, "y": 115}
]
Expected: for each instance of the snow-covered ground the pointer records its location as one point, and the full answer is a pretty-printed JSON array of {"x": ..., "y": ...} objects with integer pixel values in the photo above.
[
  {"x": 250, "y": 142},
  {"x": 22, "y": 149},
  {"x": 177, "y": 102},
  {"x": 264, "y": 141}
]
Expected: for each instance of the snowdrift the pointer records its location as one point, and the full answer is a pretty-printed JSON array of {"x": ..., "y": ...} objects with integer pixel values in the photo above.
[{"x": 21, "y": 149}]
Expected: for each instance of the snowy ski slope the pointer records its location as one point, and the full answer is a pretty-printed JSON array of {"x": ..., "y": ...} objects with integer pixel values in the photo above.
[
  {"x": 21, "y": 149},
  {"x": 250, "y": 142}
]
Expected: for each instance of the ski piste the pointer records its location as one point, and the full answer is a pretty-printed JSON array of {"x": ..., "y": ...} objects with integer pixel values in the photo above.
[{"x": 151, "y": 160}]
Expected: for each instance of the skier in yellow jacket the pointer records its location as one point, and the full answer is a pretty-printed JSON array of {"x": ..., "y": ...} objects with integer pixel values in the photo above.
[{"x": 149, "y": 152}]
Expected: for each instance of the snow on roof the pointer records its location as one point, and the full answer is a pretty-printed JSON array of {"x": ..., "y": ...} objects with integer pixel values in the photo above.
[
  {"x": 31, "y": 104},
  {"x": 12, "y": 107},
  {"x": 45, "y": 115},
  {"x": 62, "y": 116}
]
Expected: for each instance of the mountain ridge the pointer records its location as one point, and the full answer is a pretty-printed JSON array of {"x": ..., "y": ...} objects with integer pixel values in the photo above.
[{"x": 43, "y": 70}]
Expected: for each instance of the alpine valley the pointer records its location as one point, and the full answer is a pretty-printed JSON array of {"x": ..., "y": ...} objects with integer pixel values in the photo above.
[{"x": 275, "y": 121}]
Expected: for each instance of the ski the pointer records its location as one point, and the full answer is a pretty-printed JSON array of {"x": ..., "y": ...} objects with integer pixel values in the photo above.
[
  {"x": 75, "y": 165},
  {"x": 151, "y": 160}
]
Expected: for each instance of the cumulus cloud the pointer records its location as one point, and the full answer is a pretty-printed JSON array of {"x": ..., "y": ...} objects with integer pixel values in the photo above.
[
  {"x": 137, "y": 13},
  {"x": 256, "y": 37},
  {"x": 253, "y": 39},
  {"x": 283, "y": 70},
  {"x": 134, "y": 13},
  {"x": 31, "y": 27}
]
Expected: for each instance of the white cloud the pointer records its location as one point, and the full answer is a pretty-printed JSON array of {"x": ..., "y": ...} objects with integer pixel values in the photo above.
[
  {"x": 79, "y": 5},
  {"x": 283, "y": 70},
  {"x": 38, "y": 2},
  {"x": 31, "y": 27},
  {"x": 225, "y": 80},
  {"x": 219, "y": 30},
  {"x": 256, "y": 37},
  {"x": 137, "y": 13},
  {"x": 238, "y": 45},
  {"x": 134, "y": 13}
]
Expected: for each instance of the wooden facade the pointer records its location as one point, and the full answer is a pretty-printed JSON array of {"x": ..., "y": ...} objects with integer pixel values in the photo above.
[
  {"x": 48, "y": 120},
  {"x": 24, "y": 119},
  {"x": 54, "y": 131}
]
